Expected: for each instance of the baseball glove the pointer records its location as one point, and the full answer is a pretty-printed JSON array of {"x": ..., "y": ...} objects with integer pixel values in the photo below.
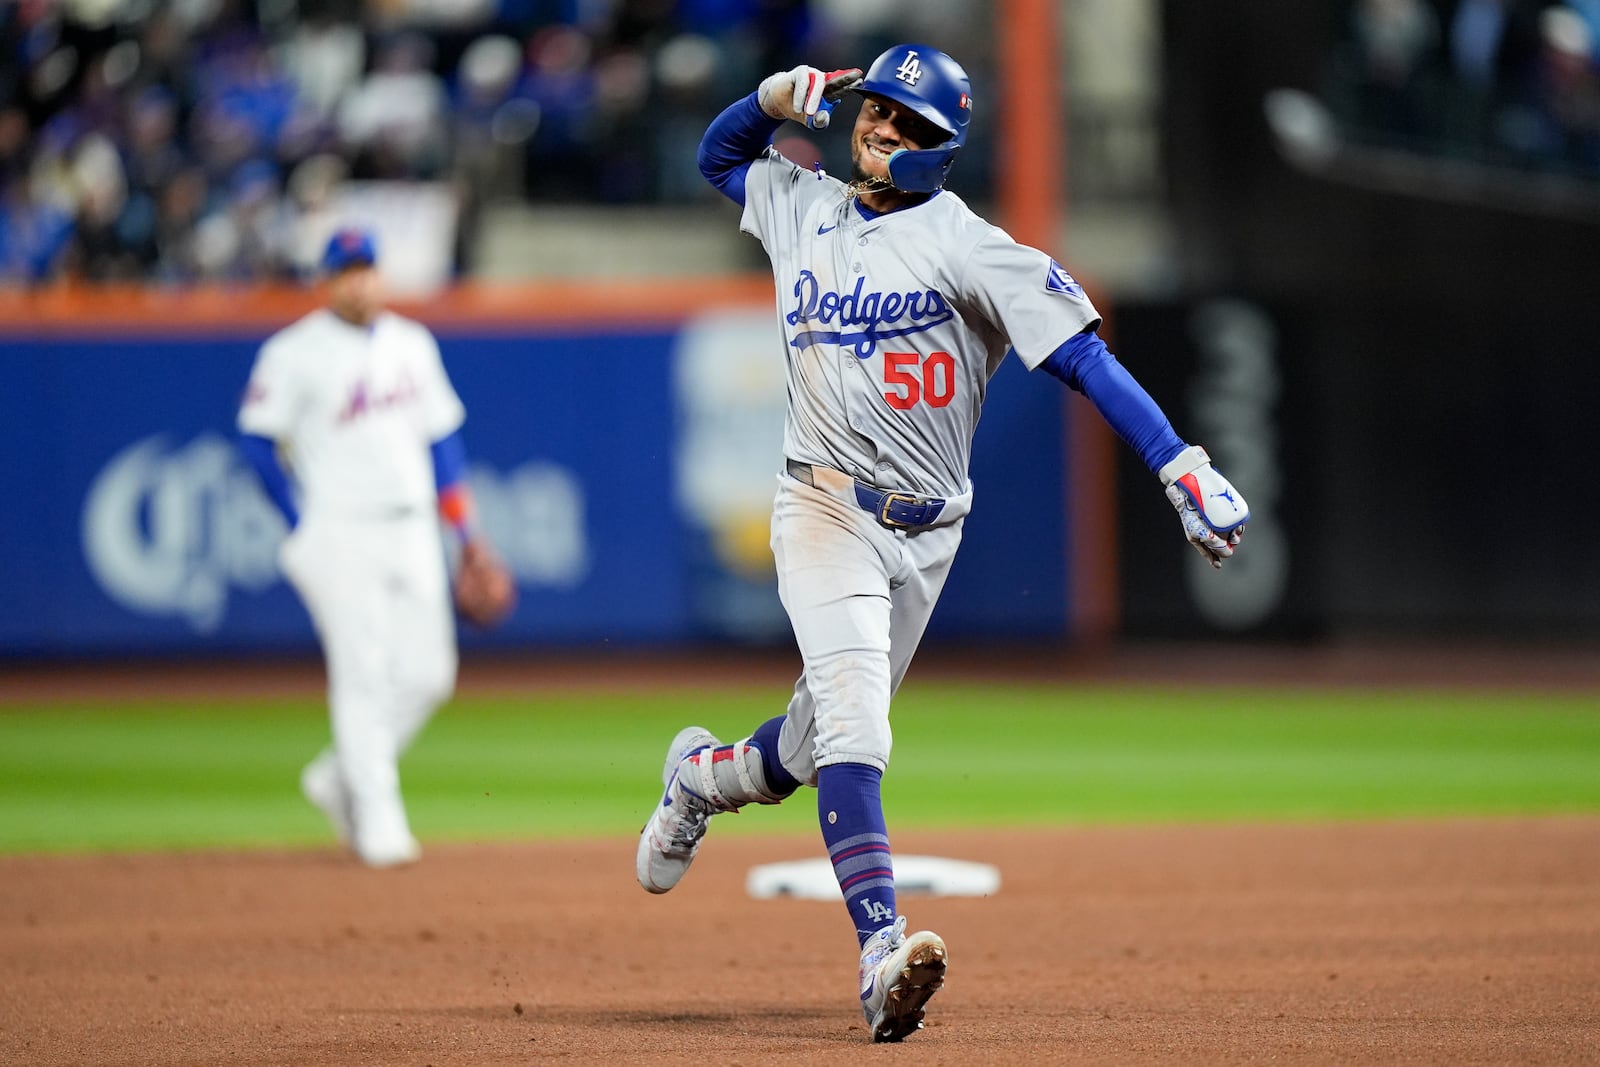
[{"x": 484, "y": 590}]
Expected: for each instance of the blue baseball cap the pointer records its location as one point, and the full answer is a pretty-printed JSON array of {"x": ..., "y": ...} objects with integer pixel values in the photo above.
[{"x": 348, "y": 248}]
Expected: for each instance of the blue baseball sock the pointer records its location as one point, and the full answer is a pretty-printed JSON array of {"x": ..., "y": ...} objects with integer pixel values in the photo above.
[{"x": 850, "y": 809}]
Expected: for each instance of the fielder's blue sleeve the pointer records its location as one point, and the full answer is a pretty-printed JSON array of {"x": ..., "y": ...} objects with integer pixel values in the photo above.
[
  {"x": 262, "y": 455},
  {"x": 1086, "y": 365},
  {"x": 734, "y": 140},
  {"x": 449, "y": 460}
]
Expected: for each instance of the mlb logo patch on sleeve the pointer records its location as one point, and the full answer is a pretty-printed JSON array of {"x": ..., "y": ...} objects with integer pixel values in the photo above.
[{"x": 1057, "y": 280}]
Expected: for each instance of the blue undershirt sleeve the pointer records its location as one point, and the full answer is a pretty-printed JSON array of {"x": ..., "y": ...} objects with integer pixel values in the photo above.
[
  {"x": 1084, "y": 363},
  {"x": 735, "y": 139},
  {"x": 449, "y": 460},
  {"x": 262, "y": 455}
]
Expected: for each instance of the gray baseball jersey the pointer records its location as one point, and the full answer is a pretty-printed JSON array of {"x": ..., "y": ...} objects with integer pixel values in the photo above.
[{"x": 894, "y": 325}]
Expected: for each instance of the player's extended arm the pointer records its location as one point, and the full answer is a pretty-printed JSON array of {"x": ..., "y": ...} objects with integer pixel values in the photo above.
[
  {"x": 1212, "y": 511},
  {"x": 262, "y": 455},
  {"x": 1085, "y": 364}
]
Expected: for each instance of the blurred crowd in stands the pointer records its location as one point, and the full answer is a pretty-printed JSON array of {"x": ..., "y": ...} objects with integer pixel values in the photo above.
[
  {"x": 1512, "y": 83},
  {"x": 174, "y": 141}
]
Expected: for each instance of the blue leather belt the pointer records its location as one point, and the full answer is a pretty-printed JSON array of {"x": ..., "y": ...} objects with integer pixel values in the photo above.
[{"x": 893, "y": 510}]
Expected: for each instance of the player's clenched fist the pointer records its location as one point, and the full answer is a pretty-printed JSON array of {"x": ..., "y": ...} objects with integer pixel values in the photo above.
[
  {"x": 805, "y": 94},
  {"x": 1212, "y": 511}
]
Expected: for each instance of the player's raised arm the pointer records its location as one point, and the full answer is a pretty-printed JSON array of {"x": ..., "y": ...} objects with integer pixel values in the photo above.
[
  {"x": 738, "y": 137},
  {"x": 734, "y": 140}
]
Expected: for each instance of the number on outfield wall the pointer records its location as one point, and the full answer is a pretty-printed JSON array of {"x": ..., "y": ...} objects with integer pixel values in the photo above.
[{"x": 935, "y": 383}]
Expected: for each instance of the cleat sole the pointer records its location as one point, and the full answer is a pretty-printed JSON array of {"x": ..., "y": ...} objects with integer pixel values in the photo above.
[{"x": 920, "y": 978}]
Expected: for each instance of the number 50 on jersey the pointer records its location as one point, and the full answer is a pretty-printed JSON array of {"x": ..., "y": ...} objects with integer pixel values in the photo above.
[{"x": 909, "y": 379}]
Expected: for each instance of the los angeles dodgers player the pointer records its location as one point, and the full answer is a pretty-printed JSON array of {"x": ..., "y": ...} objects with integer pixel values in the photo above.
[
  {"x": 896, "y": 305},
  {"x": 359, "y": 400}
]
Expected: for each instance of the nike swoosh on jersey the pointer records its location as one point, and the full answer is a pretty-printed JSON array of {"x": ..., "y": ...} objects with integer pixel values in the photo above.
[{"x": 826, "y": 228}]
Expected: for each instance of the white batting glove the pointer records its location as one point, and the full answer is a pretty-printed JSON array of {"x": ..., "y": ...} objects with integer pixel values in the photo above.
[
  {"x": 1212, "y": 511},
  {"x": 805, "y": 94}
]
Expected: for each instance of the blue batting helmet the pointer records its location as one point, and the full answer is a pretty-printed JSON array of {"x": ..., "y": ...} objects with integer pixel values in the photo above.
[{"x": 933, "y": 85}]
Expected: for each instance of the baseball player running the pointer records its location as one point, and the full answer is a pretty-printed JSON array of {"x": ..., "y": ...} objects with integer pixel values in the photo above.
[
  {"x": 359, "y": 400},
  {"x": 896, "y": 305}
]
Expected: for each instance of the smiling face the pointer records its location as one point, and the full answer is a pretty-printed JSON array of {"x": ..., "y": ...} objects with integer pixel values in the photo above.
[{"x": 882, "y": 127}]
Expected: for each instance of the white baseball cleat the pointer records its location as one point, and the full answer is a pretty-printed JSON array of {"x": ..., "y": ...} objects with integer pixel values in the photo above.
[
  {"x": 380, "y": 836},
  {"x": 321, "y": 785},
  {"x": 898, "y": 975},
  {"x": 670, "y": 839},
  {"x": 398, "y": 850},
  {"x": 383, "y": 837}
]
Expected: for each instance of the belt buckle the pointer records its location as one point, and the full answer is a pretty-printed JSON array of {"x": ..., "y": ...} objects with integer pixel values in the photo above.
[{"x": 888, "y": 502}]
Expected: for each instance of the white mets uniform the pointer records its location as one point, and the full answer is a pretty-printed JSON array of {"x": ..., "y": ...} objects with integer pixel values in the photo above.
[
  {"x": 892, "y": 327},
  {"x": 358, "y": 409}
]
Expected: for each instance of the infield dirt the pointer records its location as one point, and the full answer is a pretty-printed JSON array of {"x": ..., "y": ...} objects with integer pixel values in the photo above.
[{"x": 1418, "y": 943}]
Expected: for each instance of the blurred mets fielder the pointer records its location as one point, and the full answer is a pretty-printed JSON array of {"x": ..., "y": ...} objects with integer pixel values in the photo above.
[
  {"x": 358, "y": 399},
  {"x": 896, "y": 305}
]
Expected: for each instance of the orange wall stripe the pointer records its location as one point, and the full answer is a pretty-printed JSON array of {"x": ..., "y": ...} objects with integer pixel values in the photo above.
[{"x": 84, "y": 309}]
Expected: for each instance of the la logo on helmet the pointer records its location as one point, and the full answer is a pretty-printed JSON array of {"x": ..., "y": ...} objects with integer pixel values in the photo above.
[{"x": 910, "y": 69}]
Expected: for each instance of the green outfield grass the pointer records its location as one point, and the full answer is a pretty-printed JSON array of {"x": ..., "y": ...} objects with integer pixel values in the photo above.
[{"x": 148, "y": 775}]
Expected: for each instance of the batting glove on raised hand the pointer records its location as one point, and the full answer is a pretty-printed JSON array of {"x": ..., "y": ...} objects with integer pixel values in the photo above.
[
  {"x": 805, "y": 94},
  {"x": 1212, "y": 511}
]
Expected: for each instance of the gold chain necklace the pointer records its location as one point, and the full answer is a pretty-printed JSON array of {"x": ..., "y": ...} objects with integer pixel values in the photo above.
[{"x": 866, "y": 185}]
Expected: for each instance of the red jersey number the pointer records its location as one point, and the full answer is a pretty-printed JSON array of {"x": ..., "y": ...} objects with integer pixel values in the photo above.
[{"x": 912, "y": 379}]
